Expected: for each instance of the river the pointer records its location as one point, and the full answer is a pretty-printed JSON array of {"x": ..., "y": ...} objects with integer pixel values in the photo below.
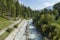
[{"x": 33, "y": 33}]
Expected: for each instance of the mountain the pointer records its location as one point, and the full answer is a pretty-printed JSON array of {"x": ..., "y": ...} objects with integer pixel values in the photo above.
[{"x": 50, "y": 7}]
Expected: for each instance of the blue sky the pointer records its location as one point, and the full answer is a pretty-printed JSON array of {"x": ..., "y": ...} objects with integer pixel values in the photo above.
[{"x": 38, "y": 4}]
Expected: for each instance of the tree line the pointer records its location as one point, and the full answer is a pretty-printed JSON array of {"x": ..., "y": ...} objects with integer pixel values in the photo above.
[{"x": 13, "y": 9}]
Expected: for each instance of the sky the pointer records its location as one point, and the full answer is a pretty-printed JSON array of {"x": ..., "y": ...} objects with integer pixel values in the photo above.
[{"x": 38, "y": 4}]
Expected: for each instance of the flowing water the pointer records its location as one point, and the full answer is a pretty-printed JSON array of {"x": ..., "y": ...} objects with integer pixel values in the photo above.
[{"x": 33, "y": 33}]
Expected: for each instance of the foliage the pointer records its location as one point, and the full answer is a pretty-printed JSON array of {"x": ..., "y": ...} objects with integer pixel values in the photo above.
[
  {"x": 9, "y": 30},
  {"x": 15, "y": 26}
]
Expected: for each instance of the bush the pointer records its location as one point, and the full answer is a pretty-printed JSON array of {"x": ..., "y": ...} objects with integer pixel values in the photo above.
[
  {"x": 9, "y": 30},
  {"x": 15, "y": 26}
]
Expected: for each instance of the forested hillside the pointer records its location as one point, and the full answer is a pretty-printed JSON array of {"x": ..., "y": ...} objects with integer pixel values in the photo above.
[
  {"x": 48, "y": 23},
  {"x": 12, "y": 9}
]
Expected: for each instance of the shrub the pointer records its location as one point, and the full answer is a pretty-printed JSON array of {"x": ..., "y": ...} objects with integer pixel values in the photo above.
[
  {"x": 9, "y": 30},
  {"x": 15, "y": 26}
]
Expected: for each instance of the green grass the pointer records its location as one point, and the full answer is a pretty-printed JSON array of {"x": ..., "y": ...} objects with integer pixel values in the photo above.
[
  {"x": 3, "y": 19},
  {"x": 4, "y": 23},
  {"x": 5, "y": 34}
]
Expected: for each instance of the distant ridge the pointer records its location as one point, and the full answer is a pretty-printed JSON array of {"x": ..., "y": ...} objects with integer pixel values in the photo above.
[{"x": 50, "y": 7}]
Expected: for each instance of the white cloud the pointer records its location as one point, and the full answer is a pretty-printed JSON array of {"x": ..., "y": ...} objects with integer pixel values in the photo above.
[
  {"x": 58, "y": 0},
  {"x": 47, "y": 4},
  {"x": 20, "y": 2},
  {"x": 44, "y": 5}
]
